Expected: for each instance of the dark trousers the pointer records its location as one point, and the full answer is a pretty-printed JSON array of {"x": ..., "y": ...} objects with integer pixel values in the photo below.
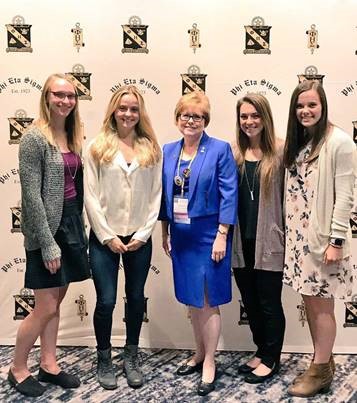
[
  {"x": 105, "y": 266},
  {"x": 261, "y": 296}
]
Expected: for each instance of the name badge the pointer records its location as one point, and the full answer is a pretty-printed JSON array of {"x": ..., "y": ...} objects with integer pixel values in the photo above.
[{"x": 181, "y": 210}]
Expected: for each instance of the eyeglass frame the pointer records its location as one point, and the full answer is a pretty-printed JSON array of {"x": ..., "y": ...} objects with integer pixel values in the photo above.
[
  {"x": 70, "y": 97},
  {"x": 195, "y": 118}
]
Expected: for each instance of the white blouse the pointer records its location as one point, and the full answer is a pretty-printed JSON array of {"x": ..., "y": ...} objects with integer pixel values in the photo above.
[{"x": 121, "y": 199}]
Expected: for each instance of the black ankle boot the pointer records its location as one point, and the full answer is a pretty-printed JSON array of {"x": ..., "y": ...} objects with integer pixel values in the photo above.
[
  {"x": 105, "y": 370},
  {"x": 131, "y": 367}
]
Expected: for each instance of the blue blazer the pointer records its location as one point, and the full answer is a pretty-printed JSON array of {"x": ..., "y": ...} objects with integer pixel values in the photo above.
[{"x": 213, "y": 186}]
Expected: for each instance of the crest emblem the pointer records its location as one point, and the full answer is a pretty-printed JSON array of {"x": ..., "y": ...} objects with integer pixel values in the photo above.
[
  {"x": 351, "y": 313},
  {"x": 24, "y": 303},
  {"x": 16, "y": 219},
  {"x": 257, "y": 37},
  {"x": 18, "y": 125},
  {"x": 81, "y": 80},
  {"x": 311, "y": 73},
  {"x": 18, "y": 35},
  {"x": 194, "y": 33},
  {"x": 243, "y": 316},
  {"x": 193, "y": 80},
  {"x": 145, "y": 316},
  {"x": 135, "y": 36},
  {"x": 312, "y": 37},
  {"x": 77, "y": 32},
  {"x": 353, "y": 222}
]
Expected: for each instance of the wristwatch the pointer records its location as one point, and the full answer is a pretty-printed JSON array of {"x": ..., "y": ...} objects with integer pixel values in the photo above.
[{"x": 337, "y": 242}]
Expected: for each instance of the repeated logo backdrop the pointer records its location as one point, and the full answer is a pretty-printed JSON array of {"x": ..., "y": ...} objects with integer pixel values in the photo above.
[{"x": 168, "y": 48}]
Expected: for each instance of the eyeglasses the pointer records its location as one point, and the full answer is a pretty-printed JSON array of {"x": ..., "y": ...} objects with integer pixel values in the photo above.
[
  {"x": 63, "y": 95},
  {"x": 195, "y": 118}
]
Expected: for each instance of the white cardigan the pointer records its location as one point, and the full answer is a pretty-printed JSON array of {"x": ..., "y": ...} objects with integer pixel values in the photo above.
[
  {"x": 333, "y": 193},
  {"x": 121, "y": 200}
]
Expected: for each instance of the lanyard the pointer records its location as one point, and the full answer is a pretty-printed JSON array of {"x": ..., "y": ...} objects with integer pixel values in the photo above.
[{"x": 180, "y": 181}]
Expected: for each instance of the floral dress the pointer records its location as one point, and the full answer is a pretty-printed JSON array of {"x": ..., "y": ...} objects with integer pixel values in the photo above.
[{"x": 302, "y": 271}]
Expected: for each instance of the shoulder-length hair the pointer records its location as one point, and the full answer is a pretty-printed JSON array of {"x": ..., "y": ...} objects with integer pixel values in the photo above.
[
  {"x": 72, "y": 123},
  {"x": 194, "y": 98},
  {"x": 296, "y": 137},
  {"x": 106, "y": 144},
  {"x": 269, "y": 163}
]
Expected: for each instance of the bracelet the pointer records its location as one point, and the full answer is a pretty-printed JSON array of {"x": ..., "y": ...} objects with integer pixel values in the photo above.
[{"x": 222, "y": 232}]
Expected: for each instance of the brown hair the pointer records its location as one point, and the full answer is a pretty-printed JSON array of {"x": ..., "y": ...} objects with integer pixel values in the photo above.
[
  {"x": 268, "y": 165},
  {"x": 296, "y": 137}
]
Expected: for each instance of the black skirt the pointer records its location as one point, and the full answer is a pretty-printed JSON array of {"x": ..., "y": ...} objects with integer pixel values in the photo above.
[{"x": 72, "y": 241}]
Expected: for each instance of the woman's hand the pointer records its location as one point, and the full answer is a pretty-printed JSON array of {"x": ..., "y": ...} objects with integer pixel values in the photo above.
[
  {"x": 134, "y": 244},
  {"x": 53, "y": 265},
  {"x": 117, "y": 246},
  {"x": 219, "y": 247},
  {"x": 332, "y": 254},
  {"x": 166, "y": 244}
]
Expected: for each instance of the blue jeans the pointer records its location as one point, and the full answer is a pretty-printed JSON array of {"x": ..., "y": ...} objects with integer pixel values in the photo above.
[{"x": 105, "y": 266}]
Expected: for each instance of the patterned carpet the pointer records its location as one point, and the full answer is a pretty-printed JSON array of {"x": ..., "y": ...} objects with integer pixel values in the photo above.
[{"x": 162, "y": 385}]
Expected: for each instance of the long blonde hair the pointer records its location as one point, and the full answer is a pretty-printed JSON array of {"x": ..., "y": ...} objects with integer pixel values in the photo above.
[
  {"x": 72, "y": 123},
  {"x": 106, "y": 144},
  {"x": 269, "y": 163}
]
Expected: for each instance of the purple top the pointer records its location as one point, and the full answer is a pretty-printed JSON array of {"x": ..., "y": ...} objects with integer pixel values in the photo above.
[{"x": 72, "y": 163}]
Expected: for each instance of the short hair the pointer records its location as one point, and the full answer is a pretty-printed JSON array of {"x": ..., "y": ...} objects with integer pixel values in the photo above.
[{"x": 194, "y": 98}]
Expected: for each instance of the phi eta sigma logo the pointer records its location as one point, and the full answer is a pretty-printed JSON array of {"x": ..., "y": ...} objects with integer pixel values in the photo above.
[
  {"x": 312, "y": 37},
  {"x": 193, "y": 80},
  {"x": 81, "y": 81},
  {"x": 257, "y": 37},
  {"x": 135, "y": 36},
  {"x": 351, "y": 313},
  {"x": 81, "y": 307},
  {"x": 18, "y": 125},
  {"x": 18, "y": 35},
  {"x": 243, "y": 315},
  {"x": 355, "y": 131},
  {"x": 24, "y": 303},
  {"x": 194, "y": 33},
  {"x": 15, "y": 219},
  {"x": 77, "y": 33},
  {"x": 311, "y": 73}
]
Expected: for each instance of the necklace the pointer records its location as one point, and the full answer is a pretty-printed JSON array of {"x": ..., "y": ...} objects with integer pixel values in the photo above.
[
  {"x": 69, "y": 168},
  {"x": 251, "y": 189},
  {"x": 180, "y": 181}
]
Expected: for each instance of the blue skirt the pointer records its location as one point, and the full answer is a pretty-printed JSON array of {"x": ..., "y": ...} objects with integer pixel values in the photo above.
[{"x": 193, "y": 268}]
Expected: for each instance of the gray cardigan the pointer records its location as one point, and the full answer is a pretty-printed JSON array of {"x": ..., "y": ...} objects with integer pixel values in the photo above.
[
  {"x": 270, "y": 240},
  {"x": 42, "y": 192}
]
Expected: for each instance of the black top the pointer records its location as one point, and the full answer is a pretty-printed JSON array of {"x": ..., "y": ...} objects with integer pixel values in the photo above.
[{"x": 248, "y": 208}]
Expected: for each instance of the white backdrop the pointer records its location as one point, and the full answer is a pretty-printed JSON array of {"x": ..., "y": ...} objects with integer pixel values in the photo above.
[{"x": 230, "y": 73}]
